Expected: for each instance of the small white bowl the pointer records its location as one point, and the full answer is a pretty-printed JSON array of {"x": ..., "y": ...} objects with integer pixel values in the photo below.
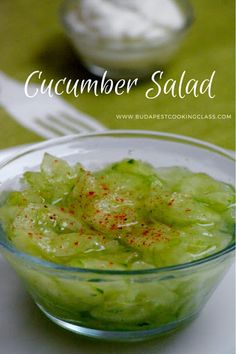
[{"x": 123, "y": 58}]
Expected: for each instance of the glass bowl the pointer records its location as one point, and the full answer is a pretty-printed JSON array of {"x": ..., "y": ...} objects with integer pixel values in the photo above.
[
  {"x": 122, "y": 58},
  {"x": 120, "y": 305}
]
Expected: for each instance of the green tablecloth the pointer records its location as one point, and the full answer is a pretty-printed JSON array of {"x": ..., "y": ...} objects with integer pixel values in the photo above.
[{"x": 32, "y": 39}]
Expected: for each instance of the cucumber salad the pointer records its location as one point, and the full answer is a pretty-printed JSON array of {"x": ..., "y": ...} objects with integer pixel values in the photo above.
[{"x": 126, "y": 216}]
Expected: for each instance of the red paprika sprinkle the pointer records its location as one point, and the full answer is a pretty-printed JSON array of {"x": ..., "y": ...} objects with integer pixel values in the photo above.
[
  {"x": 104, "y": 187},
  {"x": 171, "y": 202},
  {"x": 113, "y": 227},
  {"x": 120, "y": 199},
  {"x": 91, "y": 193}
]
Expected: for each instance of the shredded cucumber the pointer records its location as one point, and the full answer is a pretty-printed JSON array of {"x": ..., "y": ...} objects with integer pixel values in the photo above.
[
  {"x": 127, "y": 216},
  {"x": 142, "y": 215}
]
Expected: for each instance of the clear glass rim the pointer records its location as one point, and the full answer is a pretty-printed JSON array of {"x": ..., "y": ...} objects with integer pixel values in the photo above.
[
  {"x": 89, "y": 40},
  {"x": 116, "y": 133}
]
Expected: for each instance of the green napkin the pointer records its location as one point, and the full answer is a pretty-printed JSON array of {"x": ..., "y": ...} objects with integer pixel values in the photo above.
[{"x": 32, "y": 38}]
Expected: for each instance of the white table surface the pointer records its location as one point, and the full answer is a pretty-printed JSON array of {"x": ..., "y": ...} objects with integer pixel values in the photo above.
[{"x": 24, "y": 330}]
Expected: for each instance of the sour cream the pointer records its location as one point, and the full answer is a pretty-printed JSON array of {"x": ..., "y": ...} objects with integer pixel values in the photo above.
[
  {"x": 126, "y": 38},
  {"x": 127, "y": 19}
]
